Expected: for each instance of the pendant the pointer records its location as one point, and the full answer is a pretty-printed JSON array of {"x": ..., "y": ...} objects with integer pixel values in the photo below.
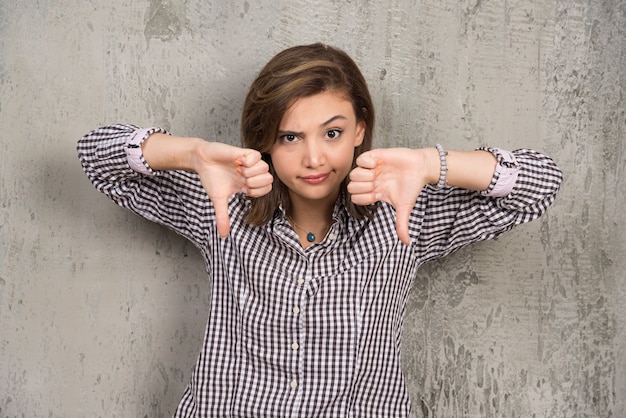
[{"x": 310, "y": 237}]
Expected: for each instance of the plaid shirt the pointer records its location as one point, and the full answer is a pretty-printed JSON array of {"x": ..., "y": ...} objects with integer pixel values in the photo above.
[{"x": 315, "y": 332}]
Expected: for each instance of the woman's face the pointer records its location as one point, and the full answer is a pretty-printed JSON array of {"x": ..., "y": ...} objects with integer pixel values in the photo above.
[{"x": 315, "y": 146}]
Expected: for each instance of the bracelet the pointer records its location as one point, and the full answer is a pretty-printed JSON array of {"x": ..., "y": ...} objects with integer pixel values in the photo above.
[{"x": 444, "y": 167}]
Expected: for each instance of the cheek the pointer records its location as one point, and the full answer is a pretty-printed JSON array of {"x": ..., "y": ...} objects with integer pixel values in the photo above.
[
  {"x": 345, "y": 157},
  {"x": 278, "y": 162}
]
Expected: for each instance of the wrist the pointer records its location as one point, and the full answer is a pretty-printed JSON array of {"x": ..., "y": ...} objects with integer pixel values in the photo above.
[
  {"x": 165, "y": 152},
  {"x": 199, "y": 152},
  {"x": 432, "y": 165}
]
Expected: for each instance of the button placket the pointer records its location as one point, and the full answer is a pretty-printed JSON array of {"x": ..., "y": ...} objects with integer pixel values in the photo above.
[
  {"x": 295, "y": 345},
  {"x": 295, "y": 311}
]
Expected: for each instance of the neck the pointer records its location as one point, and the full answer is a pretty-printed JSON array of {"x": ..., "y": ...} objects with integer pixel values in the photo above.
[
  {"x": 311, "y": 215},
  {"x": 317, "y": 227},
  {"x": 309, "y": 237},
  {"x": 311, "y": 220}
]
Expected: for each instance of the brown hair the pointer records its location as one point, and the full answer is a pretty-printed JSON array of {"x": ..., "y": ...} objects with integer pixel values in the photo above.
[{"x": 297, "y": 72}]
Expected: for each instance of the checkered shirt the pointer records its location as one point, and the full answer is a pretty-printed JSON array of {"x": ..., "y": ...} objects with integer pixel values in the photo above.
[{"x": 313, "y": 332}]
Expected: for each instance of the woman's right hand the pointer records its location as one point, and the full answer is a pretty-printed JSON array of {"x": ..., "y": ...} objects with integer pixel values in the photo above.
[{"x": 224, "y": 170}]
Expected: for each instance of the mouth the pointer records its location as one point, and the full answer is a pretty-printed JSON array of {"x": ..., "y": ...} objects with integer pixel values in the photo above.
[{"x": 315, "y": 178}]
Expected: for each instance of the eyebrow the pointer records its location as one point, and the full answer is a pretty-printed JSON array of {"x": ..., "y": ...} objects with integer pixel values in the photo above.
[
  {"x": 328, "y": 122},
  {"x": 334, "y": 118}
]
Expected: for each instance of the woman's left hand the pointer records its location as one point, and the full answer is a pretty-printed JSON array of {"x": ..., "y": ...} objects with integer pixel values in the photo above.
[{"x": 396, "y": 176}]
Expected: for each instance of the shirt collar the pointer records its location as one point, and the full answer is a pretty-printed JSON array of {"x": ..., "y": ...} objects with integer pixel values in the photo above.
[{"x": 342, "y": 221}]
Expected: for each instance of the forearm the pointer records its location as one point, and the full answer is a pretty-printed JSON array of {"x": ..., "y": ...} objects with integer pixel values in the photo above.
[
  {"x": 472, "y": 170},
  {"x": 109, "y": 157},
  {"x": 166, "y": 152},
  {"x": 524, "y": 184}
]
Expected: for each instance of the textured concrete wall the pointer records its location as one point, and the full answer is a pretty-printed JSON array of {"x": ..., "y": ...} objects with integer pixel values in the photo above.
[{"x": 102, "y": 313}]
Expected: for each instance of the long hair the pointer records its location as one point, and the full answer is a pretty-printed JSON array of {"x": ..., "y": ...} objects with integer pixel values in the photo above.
[{"x": 297, "y": 72}]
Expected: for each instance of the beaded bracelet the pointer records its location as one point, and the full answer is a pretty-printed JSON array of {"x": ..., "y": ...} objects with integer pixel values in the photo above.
[{"x": 444, "y": 167}]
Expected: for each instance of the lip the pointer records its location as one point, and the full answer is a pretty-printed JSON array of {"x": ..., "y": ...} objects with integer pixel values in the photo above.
[{"x": 315, "y": 178}]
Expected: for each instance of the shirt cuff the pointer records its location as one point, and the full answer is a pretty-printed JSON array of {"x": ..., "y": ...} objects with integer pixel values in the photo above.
[
  {"x": 505, "y": 175},
  {"x": 133, "y": 150}
]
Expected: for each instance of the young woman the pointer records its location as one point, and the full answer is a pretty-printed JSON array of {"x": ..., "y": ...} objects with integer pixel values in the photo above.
[{"x": 311, "y": 239}]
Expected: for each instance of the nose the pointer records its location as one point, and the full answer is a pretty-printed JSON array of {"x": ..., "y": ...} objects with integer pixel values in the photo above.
[{"x": 314, "y": 153}]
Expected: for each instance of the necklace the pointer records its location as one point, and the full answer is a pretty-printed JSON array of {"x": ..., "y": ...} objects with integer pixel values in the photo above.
[{"x": 310, "y": 236}]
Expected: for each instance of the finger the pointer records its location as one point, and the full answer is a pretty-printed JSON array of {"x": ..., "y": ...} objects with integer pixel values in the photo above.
[
  {"x": 364, "y": 174},
  {"x": 368, "y": 159},
  {"x": 250, "y": 158},
  {"x": 361, "y": 187},
  {"x": 222, "y": 219},
  {"x": 364, "y": 199},
  {"x": 261, "y": 182},
  {"x": 258, "y": 192},
  {"x": 402, "y": 223},
  {"x": 258, "y": 169}
]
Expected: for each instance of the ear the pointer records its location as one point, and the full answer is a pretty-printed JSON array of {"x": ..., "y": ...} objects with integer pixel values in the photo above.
[{"x": 360, "y": 133}]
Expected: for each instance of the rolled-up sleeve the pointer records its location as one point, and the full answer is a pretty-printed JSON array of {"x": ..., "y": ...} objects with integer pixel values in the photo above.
[
  {"x": 524, "y": 185},
  {"x": 112, "y": 159},
  {"x": 114, "y": 152}
]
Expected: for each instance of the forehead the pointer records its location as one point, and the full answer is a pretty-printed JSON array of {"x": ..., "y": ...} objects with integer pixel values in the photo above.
[{"x": 318, "y": 108}]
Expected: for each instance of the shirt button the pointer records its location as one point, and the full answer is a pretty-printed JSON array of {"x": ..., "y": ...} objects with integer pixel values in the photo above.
[
  {"x": 293, "y": 384},
  {"x": 331, "y": 237},
  {"x": 295, "y": 346},
  {"x": 296, "y": 310},
  {"x": 300, "y": 282}
]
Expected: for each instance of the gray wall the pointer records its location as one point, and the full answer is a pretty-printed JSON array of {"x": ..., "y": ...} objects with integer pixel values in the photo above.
[{"x": 102, "y": 313}]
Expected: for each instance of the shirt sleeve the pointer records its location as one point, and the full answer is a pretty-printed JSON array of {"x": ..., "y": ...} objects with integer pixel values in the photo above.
[
  {"x": 524, "y": 185},
  {"x": 505, "y": 175},
  {"x": 136, "y": 160},
  {"x": 112, "y": 159}
]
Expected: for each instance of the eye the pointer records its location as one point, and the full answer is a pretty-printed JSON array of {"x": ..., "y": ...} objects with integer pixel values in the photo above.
[
  {"x": 334, "y": 133},
  {"x": 288, "y": 138}
]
